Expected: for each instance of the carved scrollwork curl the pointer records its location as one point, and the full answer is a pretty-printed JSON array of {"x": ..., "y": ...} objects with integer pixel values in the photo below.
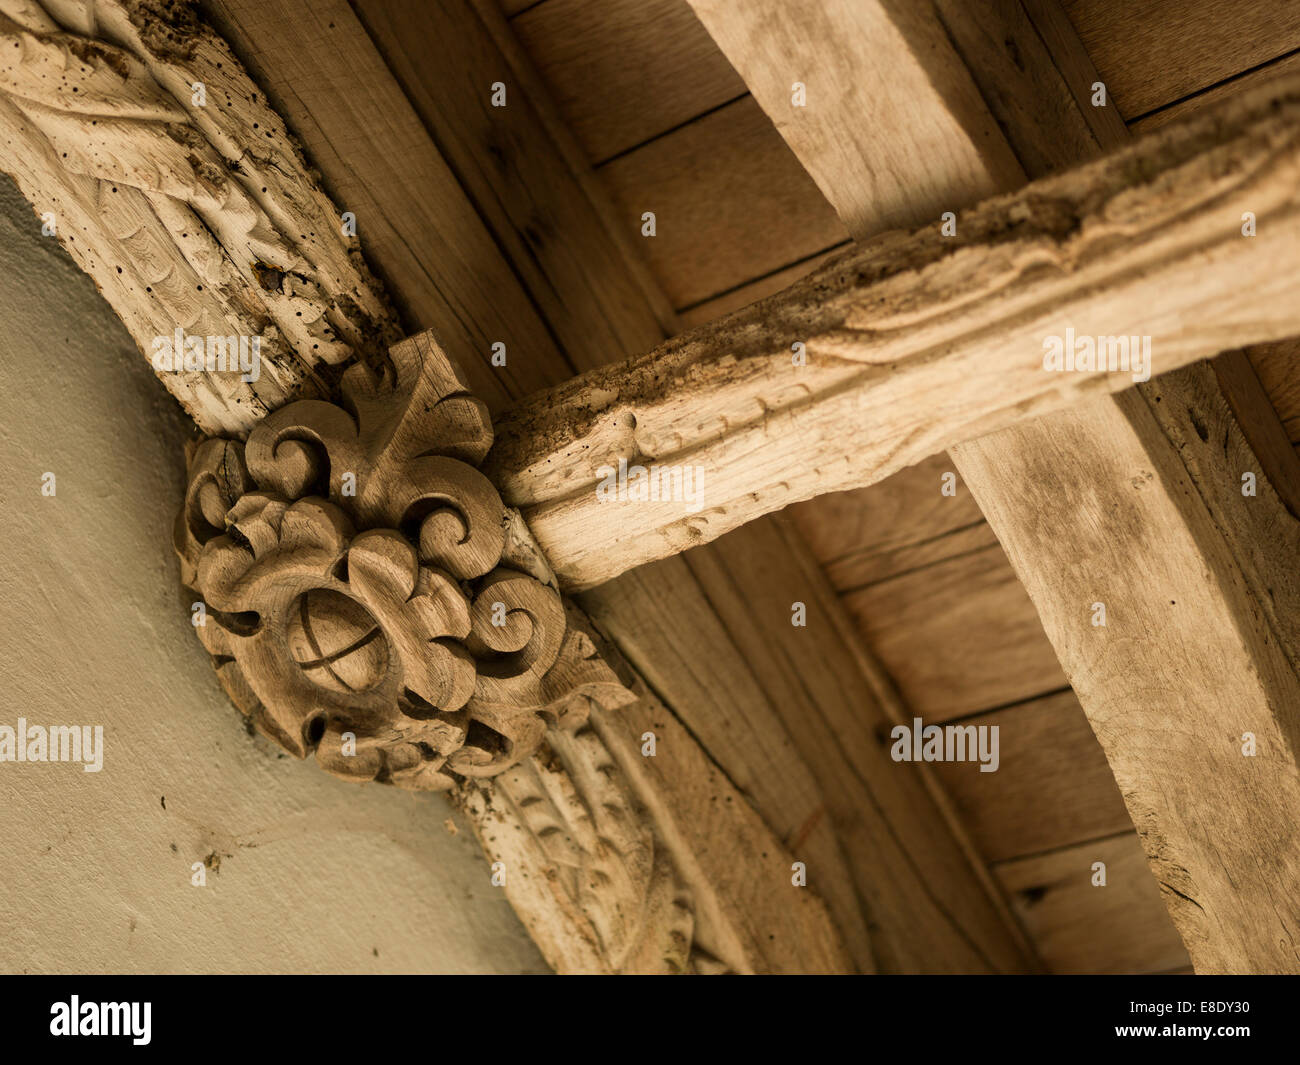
[{"x": 358, "y": 601}]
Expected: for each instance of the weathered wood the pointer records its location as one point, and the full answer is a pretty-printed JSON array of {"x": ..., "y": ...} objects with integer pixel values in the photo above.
[
  {"x": 1247, "y": 435},
  {"x": 702, "y": 809},
  {"x": 674, "y": 806},
  {"x": 136, "y": 146},
  {"x": 1268, "y": 547},
  {"x": 922, "y": 340},
  {"x": 973, "y": 929},
  {"x": 547, "y": 228},
  {"x": 1041, "y": 100},
  {"x": 775, "y": 698},
  {"x": 1153, "y": 52},
  {"x": 937, "y": 111},
  {"x": 550, "y": 848},
  {"x": 1082, "y": 928},
  {"x": 617, "y": 862},
  {"x": 756, "y": 927},
  {"x": 1035, "y": 108},
  {"x": 748, "y": 948},
  {"x": 419, "y": 227},
  {"x": 1053, "y": 787},
  {"x": 1200, "y": 644},
  {"x": 367, "y": 597}
]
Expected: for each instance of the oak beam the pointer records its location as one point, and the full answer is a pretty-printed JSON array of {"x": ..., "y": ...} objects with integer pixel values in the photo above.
[
  {"x": 1192, "y": 683},
  {"x": 916, "y": 342},
  {"x": 1164, "y": 464},
  {"x": 916, "y": 104},
  {"x": 609, "y": 854},
  {"x": 1207, "y": 429}
]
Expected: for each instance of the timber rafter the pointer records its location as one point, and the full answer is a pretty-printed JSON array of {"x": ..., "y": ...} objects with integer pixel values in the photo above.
[{"x": 132, "y": 128}]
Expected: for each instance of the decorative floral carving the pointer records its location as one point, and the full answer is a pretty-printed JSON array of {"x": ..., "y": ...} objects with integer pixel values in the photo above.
[{"x": 364, "y": 594}]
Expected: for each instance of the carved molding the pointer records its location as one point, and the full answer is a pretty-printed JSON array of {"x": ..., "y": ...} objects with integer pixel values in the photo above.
[
  {"x": 596, "y": 888},
  {"x": 173, "y": 183},
  {"x": 351, "y": 561},
  {"x": 929, "y": 341},
  {"x": 367, "y": 597}
]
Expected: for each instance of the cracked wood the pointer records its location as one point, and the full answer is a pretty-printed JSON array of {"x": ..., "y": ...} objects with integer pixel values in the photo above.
[
  {"x": 916, "y": 342},
  {"x": 133, "y": 140},
  {"x": 1139, "y": 496}
]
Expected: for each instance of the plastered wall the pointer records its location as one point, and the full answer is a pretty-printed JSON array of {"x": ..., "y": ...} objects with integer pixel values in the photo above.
[{"x": 308, "y": 874}]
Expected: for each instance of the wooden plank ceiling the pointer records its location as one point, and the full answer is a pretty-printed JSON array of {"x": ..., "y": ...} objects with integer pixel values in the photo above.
[
  {"x": 668, "y": 125},
  {"x": 659, "y": 117}
]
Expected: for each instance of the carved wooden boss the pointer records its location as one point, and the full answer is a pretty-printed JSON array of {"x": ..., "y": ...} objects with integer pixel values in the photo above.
[{"x": 368, "y": 596}]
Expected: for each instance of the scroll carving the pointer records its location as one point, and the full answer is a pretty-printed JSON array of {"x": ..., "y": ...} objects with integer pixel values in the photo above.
[
  {"x": 367, "y": 596},
  {"x": 370, "y": 600}
]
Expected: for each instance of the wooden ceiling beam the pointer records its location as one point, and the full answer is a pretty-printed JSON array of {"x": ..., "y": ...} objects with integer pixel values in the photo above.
[
  {"x": 912, "y": 343},
  {"x": 1172, "y": 598},
  {"x": 1164, "y": 505},
  {"x": 646, "y": 883}
]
